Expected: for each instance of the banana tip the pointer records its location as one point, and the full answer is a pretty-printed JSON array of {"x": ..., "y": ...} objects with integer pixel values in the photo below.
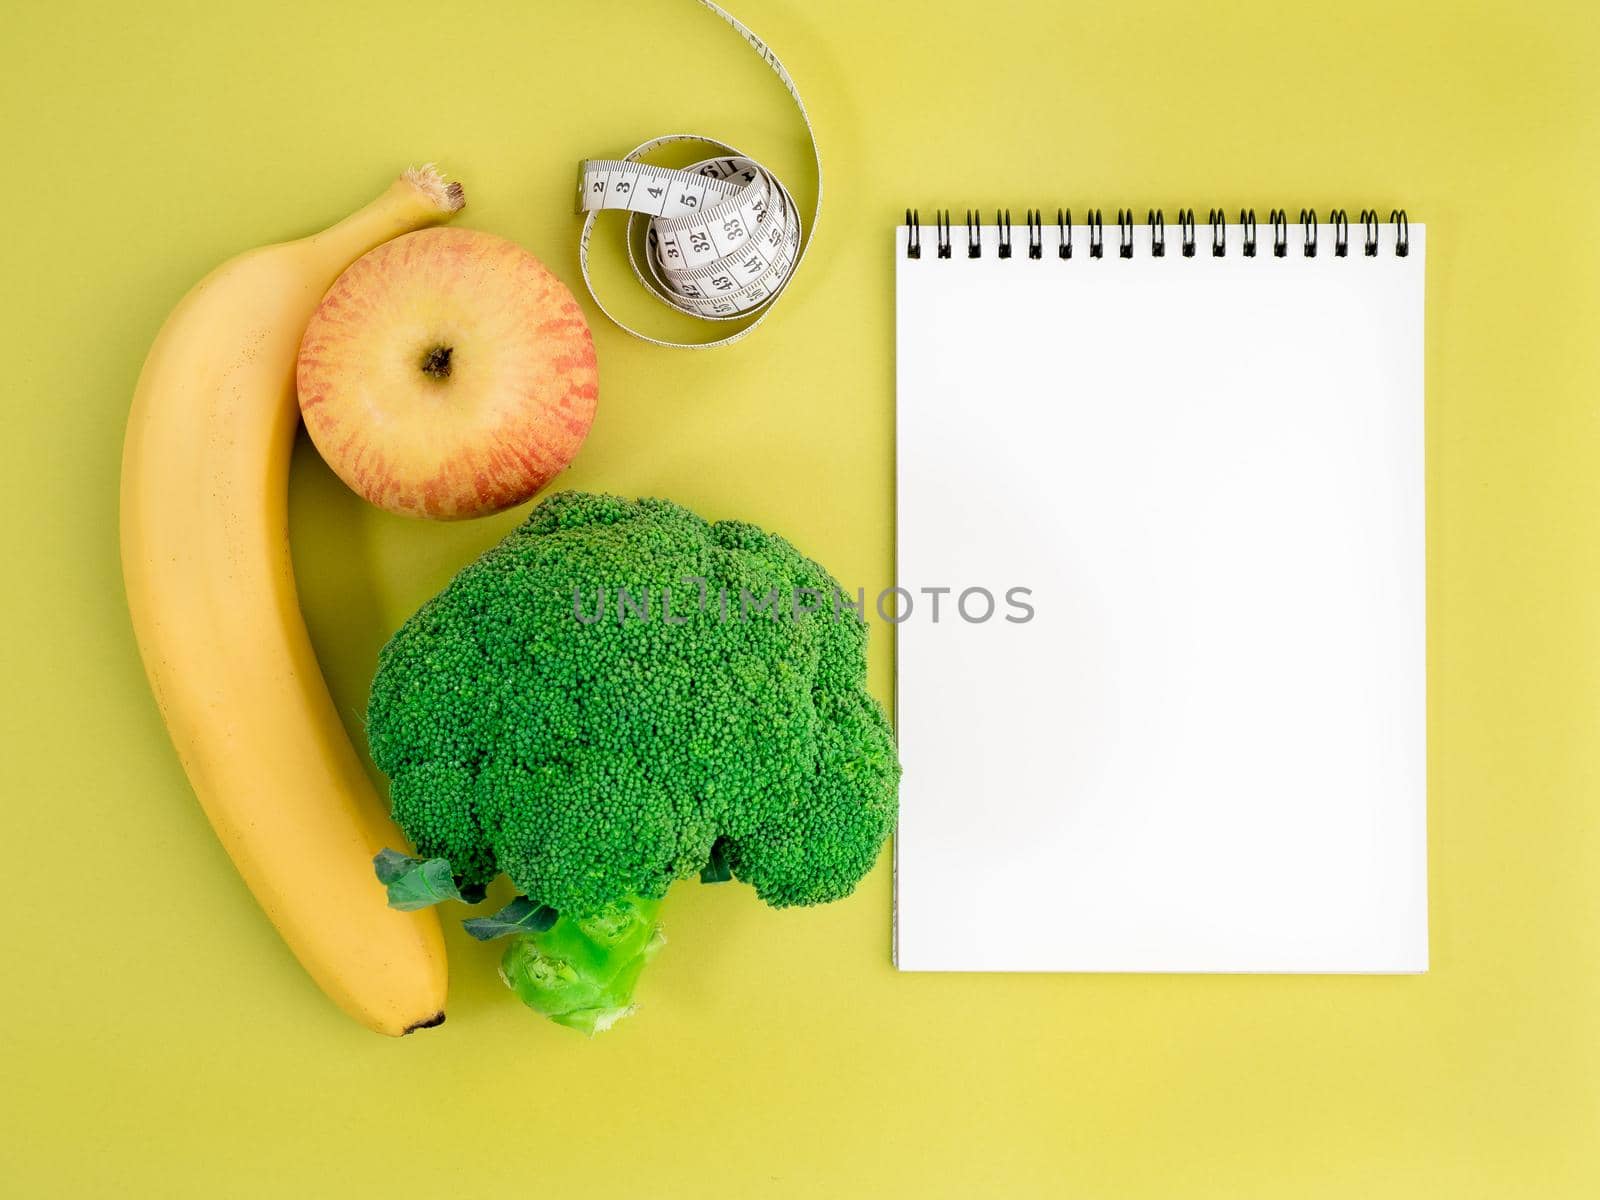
[{"x": 425, "y": 1023}]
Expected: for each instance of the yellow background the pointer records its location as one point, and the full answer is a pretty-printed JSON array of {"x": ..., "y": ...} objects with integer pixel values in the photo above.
[{"x": 156, "y": 1038}]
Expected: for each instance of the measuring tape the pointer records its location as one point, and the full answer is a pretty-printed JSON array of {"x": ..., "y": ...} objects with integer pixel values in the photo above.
[{"x": 723, "y": 237}]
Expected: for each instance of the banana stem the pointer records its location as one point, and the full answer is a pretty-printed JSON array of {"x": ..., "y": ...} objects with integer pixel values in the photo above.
[{"x": 420, "y": 196}]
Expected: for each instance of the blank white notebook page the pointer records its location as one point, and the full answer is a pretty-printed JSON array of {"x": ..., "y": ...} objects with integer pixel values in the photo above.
[{"x": 1205, "y": 750}]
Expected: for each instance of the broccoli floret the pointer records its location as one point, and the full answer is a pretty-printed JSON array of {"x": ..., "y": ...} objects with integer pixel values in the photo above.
[{"x": 621, "y": 688}]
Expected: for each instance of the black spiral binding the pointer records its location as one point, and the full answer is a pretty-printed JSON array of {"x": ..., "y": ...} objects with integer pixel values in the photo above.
[
  {"x": 1402, "y": 241},
  {"x": 1369, "y": 232},
  {"x": 1155, "y": 222},
  {"x": 1308, "y": 231}
]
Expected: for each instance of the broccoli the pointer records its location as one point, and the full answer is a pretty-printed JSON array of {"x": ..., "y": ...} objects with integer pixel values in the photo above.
[{"x": 617, "y": 696}]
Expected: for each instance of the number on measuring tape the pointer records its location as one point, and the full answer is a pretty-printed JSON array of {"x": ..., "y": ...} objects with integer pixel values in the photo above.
[{"x": 723, "y": 235}]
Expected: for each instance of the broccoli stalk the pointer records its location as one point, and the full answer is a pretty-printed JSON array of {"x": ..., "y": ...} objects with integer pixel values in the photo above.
[
  {"x": 620, "y": 695},
  {"x": 581, "y": 971}
]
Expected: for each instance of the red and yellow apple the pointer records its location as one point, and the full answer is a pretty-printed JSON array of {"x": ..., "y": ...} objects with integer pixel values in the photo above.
[{"x": 447, "y": 374}]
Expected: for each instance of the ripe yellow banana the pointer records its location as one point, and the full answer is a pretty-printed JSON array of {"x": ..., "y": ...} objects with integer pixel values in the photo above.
[{"x": 205, "y": 556}]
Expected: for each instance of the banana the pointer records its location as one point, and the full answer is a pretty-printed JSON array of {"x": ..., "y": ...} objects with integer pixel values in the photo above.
[{"x": 205, "y": 557}]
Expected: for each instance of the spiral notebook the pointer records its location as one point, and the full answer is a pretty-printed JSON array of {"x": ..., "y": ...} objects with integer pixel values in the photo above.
[{"x": 1160, "y": 641}]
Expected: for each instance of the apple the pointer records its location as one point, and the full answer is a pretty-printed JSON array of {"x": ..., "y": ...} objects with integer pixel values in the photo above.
[{"x": 447, "y": 374}]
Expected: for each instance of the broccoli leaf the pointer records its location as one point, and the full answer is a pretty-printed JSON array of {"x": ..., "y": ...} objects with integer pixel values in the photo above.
[
  {"x": 717, "y": 869},
  {"x": 520, "y": 916},
  {"x": 414, "y": 883}
]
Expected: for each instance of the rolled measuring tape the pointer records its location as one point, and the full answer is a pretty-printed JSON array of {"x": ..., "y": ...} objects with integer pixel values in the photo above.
[{"x": 723, "y": 236}]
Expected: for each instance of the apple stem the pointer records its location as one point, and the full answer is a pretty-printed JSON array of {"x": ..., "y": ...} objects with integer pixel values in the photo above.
[{"x": 436, "y": 362}]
